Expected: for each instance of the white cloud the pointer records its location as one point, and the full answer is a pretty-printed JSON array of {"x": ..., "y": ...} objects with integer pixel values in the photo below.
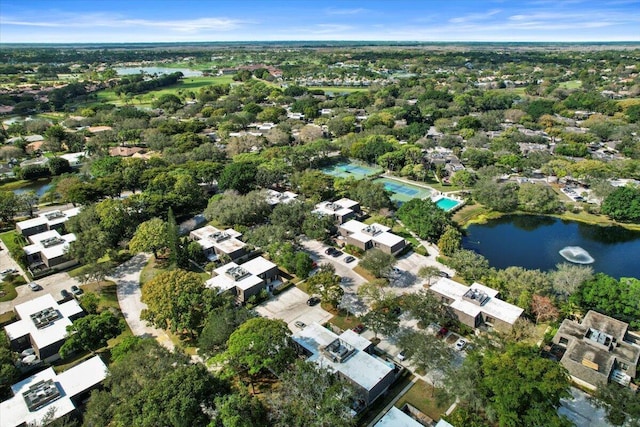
[{"x": 472, "y": 17}]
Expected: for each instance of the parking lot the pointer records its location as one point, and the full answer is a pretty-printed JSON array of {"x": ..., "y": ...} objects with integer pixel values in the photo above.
[
  {"x": 291, "y": 306},
  {"x": 50, "y": 285}
]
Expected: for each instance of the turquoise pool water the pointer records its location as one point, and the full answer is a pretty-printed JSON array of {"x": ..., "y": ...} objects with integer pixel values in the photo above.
[{"x": 447, "y": 204}]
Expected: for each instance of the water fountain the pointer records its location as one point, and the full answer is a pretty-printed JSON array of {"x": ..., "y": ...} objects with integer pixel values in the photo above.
[{"x": 576, "y": 254}]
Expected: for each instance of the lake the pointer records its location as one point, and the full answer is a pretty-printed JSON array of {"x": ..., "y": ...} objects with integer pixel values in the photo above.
[
  {"x": 40, "y": 187},
  {"x": 534, "y": 242},
  {"x": 157, "y": 70}
]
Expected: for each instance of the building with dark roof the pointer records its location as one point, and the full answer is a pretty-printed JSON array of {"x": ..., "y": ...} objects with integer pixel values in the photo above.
[{"x": 597, "y": 350}]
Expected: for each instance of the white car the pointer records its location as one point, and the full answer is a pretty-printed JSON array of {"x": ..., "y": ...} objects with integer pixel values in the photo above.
[
  {"x": 9, "y": 271},
  {"x": 34, "y": 286},
  {"x": 460, "y": 344},
  {"x": 401, "y": 356}
]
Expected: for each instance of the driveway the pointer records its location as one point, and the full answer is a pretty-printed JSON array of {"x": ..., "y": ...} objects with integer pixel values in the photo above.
[
  {"x": 581, "y": 411},
  {"x": 127, "y": 278},
  {"x": 291, "y": 306},
  {"x": 50, "y": 285}
]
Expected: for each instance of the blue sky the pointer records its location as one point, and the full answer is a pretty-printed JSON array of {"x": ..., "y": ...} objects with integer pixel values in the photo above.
[{"x": 64, "y": 21}]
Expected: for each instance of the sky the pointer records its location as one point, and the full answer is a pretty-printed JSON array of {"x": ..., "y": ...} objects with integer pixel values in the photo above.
[{"x": 118, "y": 21}]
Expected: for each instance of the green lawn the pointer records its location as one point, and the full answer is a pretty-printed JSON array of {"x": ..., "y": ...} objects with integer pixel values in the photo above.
[
  {"x": 7, "y": 291},
  {"x": 571, "y": 84},
  {"x": 338, "y": 89},
  {"x": 144, "y": 99},
  {"x": 9, "y": 239},
  {"x": 422, "y": 396}
]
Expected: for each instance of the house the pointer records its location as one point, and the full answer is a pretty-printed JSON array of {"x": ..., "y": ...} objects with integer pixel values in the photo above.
[
  {"x": 47, "y": 392},
  {"x": 48, "y": 250},
  {"x": 350, "y": 356},
  {"x": 125, "y": 151},
  {"x": 276, "y": 197},
  {"x": 597, "y": 350},
  {"x": 42, "y": 324},
  {"x": 371, "y": 236},
  {"x": 476, "y": 305},
  {"x": 75, "y": 159},
  {"x": 341, "y": 210},
  {"x": 216, "y": 243},
  {"x": 37, "y": 161},
  {"x": 53, "y": 220},
  {"x": 396, "y": 418},
  {"x": 244, "y": 280}
]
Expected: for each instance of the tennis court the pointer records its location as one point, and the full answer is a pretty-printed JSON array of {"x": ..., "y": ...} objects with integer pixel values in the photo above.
[
  {"x": 347, "y": 169},
  {"x": 402, "y": 191}
]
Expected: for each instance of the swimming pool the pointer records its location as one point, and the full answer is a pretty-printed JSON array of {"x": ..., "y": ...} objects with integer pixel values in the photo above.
[
  {"x": 347, "y": 169},
  {"x": 402, "y": 191},
  {"x": 447, "y": 204}
]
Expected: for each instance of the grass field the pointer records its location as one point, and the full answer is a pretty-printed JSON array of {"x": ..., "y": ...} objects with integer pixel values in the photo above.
[
  {"x": 338, "y": 89},
  {"x": 421, "y": 395},
  {"x": 144, "y": 99},
  {"x": 571, "y": 84}
]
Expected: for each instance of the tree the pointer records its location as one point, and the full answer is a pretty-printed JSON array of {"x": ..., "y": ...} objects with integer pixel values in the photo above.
[
  {"x": 89, "y": 302},
  {"x": 314, "y": 397},
  {"x": 609, "y": 296},
  {"x": 425, "y": 218},
  {"x": 371, "y": 195},
  {"x": 537, "y": 198},
  {"x": 260, "y": 344},
  {"x": 178, "y": 300},
  {"x": 8, "y": 205},
  {"x": 497, "y": 196},
  {"x": 514, "y": 386},
  {"x": 428, "y": 272},
  {"x": 519, "y": 285},
  {"x": 382, "y": 319},
  {"x": 377, "y": 262},
  {"x": 470, "y": 265},
  {"x": 623, "y": 204},
  {"x": 58, "y": 166},
  {"x": 313, "y": 184},
  {"x": 239, "y": 410},
  {"x": 303, "y": 265},
  {"x": 28, "y": 201},
  {"x": 567, "y": 278},
  {"x": 91, "y": 332},
  {"x": 151, "y": 236},
  {"x": 450, "y": 241},
  {"x": 220, "y": 324},
  {"x": 543, "y": 309},
  {"x": 427, "y": 309},
  {"x": 425, "y": 351},
  {"x": 149, "y": 386},
  {"x": 9, "y": 373},
  {"x": 327, "y": 284},
  {"x": 621, "y": 403},
  {"x": 239, "y": 176},
  {"x": 233, "y": 209}
]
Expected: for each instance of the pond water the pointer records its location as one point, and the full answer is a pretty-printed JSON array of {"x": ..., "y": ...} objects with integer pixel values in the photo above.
[
  {"x": 40, "y": 187},
  {"x": 157, "y": 70},
  {"x": 535, "y": 242}
]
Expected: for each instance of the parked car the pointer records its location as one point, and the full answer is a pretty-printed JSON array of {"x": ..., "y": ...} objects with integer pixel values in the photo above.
[
  {"x": 460, "y": 344},
  {"x": 65, "y": 294},
  {"x": 76, "y": 290},
  {"x": 299, "y": 324},
  {"x": 358, "y": 328},
  {"x": 349, "y": 259},
  {"x": 27, "y": 352},
  {"x": 330, "y": 250},
  {"x": 9, "y": 271},
  {"x": 336, "y": 253},
  {"x": 34, "y": 286},
  {"x": 313, "y": 301},
  {"x": 401, "y": 356},
  {"x": 443, "y": 274}
]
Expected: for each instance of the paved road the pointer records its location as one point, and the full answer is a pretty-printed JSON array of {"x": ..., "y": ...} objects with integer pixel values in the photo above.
[
  {"x": 581, "y": 411},
  {"x": 127, "y": 278},
  {"x": 291, "y": 306}
]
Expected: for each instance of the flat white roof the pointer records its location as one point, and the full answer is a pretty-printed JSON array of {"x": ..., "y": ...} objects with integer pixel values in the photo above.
[
  {"x": 258, "y": 265},
  {"x": 327, "y": 209},
  {"x": 275, "y": 197},
  {"x": 15, "y": 412},
  {"x": 494, "y": 307},
  {"x": 48, "y": 335},
  {"x": 42, "y": 219},
  {"x": 396, "y": 418},
  {"x": 50, "y": 252},
  {"x": 355, "y": 340},
  {"x": 347, "y": 203},
  {"x": 362, "y": 368},
  {"x": 353, "y": 226},
  {"x": 388, "y": 239},
  {"x": 205, "y": 238},
  {"x": 224, "y": 282}
]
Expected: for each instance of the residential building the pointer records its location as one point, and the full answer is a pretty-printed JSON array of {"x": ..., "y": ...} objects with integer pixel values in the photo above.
[
  {"x": 42, "y": 324},
  {"x": 276, "y": 197},
  {"x": 48, "y": 250},
  {"x": 75, "y": 159},
  {"x": 245, "y": 280},
  {"x": 46, "y": 392},
  {"x": 348, "y": 355},
  {"x": 476, "y": 305},
  {"x": 341, "y": 210},
  {"x": 218, "y": 243},
  {"x": 371, "y": 236},
  {"x": 122, "y": 151},
  {"x": 53, "y": 220},
  {"x": 396, "y": 418},
  {"x": 597, "y": 350}
]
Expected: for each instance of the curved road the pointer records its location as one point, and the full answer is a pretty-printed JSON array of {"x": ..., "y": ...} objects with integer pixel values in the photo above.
[{"x": 127, "y": 278}]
